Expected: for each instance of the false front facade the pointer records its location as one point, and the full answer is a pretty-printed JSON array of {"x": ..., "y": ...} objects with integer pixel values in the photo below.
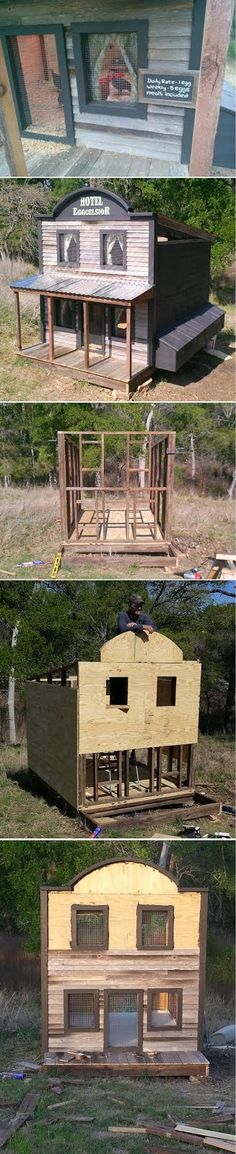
[
  {"x": 123, "y": 969},
  {"x": 122, "y": 294}
]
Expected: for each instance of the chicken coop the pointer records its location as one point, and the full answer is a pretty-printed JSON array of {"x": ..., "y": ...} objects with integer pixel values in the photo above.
[
  {"x": 118, "y": 735},
  {"x": 123, "y": 972},
  {"x": 117, "y": 498}
]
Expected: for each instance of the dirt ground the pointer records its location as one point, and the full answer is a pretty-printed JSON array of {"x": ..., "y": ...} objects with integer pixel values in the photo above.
[{"x": 30, "y": 530}]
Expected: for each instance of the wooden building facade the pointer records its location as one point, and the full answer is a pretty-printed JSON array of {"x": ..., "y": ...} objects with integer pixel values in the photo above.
[
  {"x": 77, "y": 74},
  {"x": 82, "y": 728},
  {"x": 121, "y": 293},
  {"x": 123, "y": 970},
  {"x": 121, "y": 504}
]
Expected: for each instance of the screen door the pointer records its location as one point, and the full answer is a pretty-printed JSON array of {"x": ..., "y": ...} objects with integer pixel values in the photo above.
[
  {"x": 122, "y": 1020},
  {"x": 41, "y": 87}
]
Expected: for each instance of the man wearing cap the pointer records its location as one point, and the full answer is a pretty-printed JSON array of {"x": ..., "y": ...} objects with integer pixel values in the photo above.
[{"x": 134, "y": 619}]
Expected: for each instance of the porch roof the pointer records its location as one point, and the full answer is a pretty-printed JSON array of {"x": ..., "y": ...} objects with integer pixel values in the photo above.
[{"x": 125, "y": 289}]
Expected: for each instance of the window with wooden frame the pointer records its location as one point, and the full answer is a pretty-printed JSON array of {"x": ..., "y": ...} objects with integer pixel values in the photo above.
[
  {"x": 89, "y": 927},
  {"x": 81, "y": 1010},
  {"x": 164, "y": 1009},
  {"x": 113, "y": 249},
  {"x": 37, "y": 66},
  {"x": 155, "y": 927},
  {"x": 68, "y": 247},
  {"x": 166, "y": 691},
  {"x": 108, "y": 57},
  {"x": 117, "y": 691},
  {"x": 65, "y": 314}
]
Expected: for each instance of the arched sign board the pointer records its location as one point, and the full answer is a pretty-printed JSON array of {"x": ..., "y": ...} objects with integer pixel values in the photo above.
[
  {"x": 179, "y": 88},
  {"x": 92, "y": 204}
]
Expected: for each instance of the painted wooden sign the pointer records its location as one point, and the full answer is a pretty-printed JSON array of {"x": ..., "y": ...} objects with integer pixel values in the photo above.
[
  {"x": 91, "y": 204},
  {"x": 168, "y": 87}
]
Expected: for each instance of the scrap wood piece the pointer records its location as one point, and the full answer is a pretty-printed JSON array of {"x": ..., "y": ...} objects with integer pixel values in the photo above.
[
  {"x": 221, "y": 1144},
  {"x": 127, "y": 1130},
  {"x": 25, "y": 1111},
  {"x": 186, "y": 1129},
  {"x": 69, "y": 1118}
]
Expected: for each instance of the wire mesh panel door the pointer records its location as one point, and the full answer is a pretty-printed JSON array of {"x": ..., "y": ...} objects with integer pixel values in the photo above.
[
  {"x": 122, "y": 1020},
  {"x": 39, "y": 74}
]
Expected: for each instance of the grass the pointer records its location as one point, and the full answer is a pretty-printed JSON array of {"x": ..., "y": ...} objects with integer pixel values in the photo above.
[
  {"x": 22, "y": 380},
  {"x": 27, "y": 810},
  {"x": 30, "y": 530},
  {"x": 110, "y": 1102}
]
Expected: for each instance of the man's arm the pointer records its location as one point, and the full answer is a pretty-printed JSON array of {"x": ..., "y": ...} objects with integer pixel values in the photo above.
[{"x": 126, "y": 626}]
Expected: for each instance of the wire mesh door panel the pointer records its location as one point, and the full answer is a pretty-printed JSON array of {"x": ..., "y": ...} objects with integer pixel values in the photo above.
[
  {"x": 122, "y": 1019},
  {"x": 38, "y": 84}
]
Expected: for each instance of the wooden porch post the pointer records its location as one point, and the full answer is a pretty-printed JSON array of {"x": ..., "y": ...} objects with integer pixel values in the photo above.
[
  {"x": 86, "y": 334},
  {"x": 218, "y": 21},
  {"x": 62, "y": 484},
  {"x": 128, "y": 344},
  {"x": 50, "y": 329},
  {"x": 18, "y": 320},
  {"x": 168, "y": 480},
  {"x": 9, "y": 124}
]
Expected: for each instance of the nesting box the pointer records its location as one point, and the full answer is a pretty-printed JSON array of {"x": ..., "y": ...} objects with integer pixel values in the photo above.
[
  {"x": 82, "y": 730},
  {"x": 123, "y": 971},
  {"x": 122, "y": 293}
]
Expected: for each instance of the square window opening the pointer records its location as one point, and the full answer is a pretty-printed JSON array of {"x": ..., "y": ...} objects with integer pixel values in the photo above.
[
  {"x": 117, "y": 691},
  {"x": 155, "y": 928},
  {"x": 166, "y": 691},
  {"x": 89, "y": 928},
  {"x": 113, "y": 249},
  {"x": 164, "y": 1009},
  {"x": 111, "y": 65},
  {"x": 81, "y": 1010}
]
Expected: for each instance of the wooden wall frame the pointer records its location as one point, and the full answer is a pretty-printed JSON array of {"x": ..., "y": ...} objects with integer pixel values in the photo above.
[
  {"x": 169, "y": 910},
  {"x": 68, "y": 1029},
  {"x": 164, "y": 1029},
  {"x": 168, "y": 73},
  {"x": 56, "y": 30},
  {"x": 89, "y": 910},
  {"x": 79, "y": 32}
]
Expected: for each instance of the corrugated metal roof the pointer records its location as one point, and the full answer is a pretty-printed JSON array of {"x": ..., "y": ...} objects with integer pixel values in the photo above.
[
  {"x": 127, "y": 288},
  {"x": 185, "y": 331}
]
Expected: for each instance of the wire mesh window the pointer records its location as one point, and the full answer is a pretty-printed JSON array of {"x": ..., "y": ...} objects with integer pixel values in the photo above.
[
  {"x": 114, "y": 249},
  {"x": 166, "y": 691},
  {"x": 89, "y": 928},
  {"x": 82, "y": 1010},
  {"x": 164, "y": 1009},
  {"x": 155, "y": 928},
  {"x": 122, "y": 1019},
  {"x": 38, "y": 83},
  {"x": 68, "y": 248},
  {"x": 111, "y": 67}
]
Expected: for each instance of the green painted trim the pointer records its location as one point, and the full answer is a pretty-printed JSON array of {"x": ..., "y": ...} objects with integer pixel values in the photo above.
[
  {"x": 78, "y": 32},
  {"x": 41, "y": 30}
]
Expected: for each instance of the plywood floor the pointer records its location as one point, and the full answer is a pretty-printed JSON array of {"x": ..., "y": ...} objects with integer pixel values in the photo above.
[
  {"x": 114, "y": 368},
  {"x": 114, "y": 528},
  {"x": 173, "y": 1063}
]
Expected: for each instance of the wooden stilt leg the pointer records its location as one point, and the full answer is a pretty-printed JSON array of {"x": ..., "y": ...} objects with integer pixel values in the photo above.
[
  {"x": 126, "y": 767},
  {"x": 50, "y": 330},
  {"x": 119, "y": 773},
  {"x": 159, "y": 768},
  {"x": 81, "y": 778},
  {"x": 95, "y": 776},
  {"x": 179, "y": 766},
  {"x": 151, "y": 769},
  {"x": 18, "y": 320}
]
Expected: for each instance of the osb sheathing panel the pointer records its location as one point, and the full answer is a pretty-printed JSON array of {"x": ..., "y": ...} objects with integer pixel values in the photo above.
[
  {"x": 128, "y": 647},
  {"x": 51, "y": 712},
  {"x": 103, "y": 727}
]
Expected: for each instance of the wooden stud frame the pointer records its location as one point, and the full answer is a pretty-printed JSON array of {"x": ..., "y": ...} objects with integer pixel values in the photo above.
[
  {"x": 79, "y": 33},
  {"x": 139, "y": 995},
  {"x": 169, "y": 911},
  {"x": 68, "y": 1029},
  {"x": 41, "y": 30},
  {"x": 164, "y": 1029},
  {"x": 158, "y": 488},
  {"x": 75, "y": 909},
  {"x": 175, "y": 74}
]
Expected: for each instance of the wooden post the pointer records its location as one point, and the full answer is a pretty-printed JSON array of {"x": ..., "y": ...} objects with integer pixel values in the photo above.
[
  {"x": 119, "y": 773},
  {"x": 168, "y": 480},
  {"x": 50, "y": 330},
  {"x": 159, "y": 768},
  {"x": 95, "y": 776},
  {"x": 9, "y": 124},
  {"x": 62, "y": 483},
  {"x": 179, "y": 766},
  {"x": 128, "y": 344},
  {"x": 126, "y": 768},
  {"x": 218, "y": 21},
  {"x": 18, "y": 320},
  {"x": 81, "y": 778},
  {"x": 151, "y": 768},
  {"x": 86, "y": 334}
]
